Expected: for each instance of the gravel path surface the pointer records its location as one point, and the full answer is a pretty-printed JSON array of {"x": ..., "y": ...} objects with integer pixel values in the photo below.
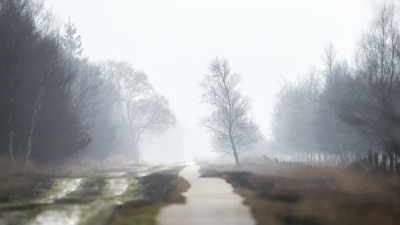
[{"x": 208, "y": 201}]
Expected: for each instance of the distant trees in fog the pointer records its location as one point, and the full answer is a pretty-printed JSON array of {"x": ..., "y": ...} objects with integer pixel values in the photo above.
[
  {"x": 233, "y": 131},
  {"x": 54, "y": 103},
  {"x": 142, "y": 112},
  {"x": 346, "y": 109}
]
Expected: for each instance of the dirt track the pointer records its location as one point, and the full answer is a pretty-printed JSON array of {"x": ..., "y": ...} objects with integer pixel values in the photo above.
[{"x": 208, "y": 201}]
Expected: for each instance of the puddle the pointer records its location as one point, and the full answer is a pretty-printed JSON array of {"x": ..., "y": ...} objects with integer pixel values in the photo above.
[
  {"x": 66, "y": 188},
  {"x": 142, "y": 174},
  {"x": 69, "y": 216},
  {"x": 115, "y": 174},
  {"x": 119, "y": 174},
  {"x": 118, "y": 186},
  {"x": 74, "y": 201}
]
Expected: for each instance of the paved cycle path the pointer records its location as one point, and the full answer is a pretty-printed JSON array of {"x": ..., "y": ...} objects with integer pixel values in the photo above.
[{"x": 208, "y": 201}]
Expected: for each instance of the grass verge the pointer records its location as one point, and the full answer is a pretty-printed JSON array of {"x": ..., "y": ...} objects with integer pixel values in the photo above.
[{"x": 313, "y": 195}]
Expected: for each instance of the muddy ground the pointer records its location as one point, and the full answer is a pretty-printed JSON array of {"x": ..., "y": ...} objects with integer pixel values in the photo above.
[{"x": 133, "y": 194}]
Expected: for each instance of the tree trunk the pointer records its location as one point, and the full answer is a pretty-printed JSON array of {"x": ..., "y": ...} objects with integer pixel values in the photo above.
[
  {"x": 369, "y": 157},
  {"x": 53, "y": 60},
  {"x": 10, "y": 117},
  {"x": 236, "y": 158},
  {"x": 35, "y": 116},
  {"x": 235, "y": 154},
  {"x": 137, "y": 156},
  {"x": 384, "y": 158},
  {"x": 10, "y": 138},
  {"x": 391, "y": 165}
]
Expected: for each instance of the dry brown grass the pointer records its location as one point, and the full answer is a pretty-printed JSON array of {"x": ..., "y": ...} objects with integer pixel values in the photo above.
[
  {"x": 22, "y": 181},
  {"x": 315, "y": 195},
  {"x": 87, "y": 165},
  {"x": 67, "y": 168}
]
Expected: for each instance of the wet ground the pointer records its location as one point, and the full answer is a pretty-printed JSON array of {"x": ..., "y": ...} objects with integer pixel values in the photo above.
[
  {"x": 78, "y": 200},
  {"x": 208, "y": 201}
]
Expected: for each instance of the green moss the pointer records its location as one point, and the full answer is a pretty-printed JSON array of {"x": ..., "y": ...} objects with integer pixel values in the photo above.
[
  {"x": 92, "y": 200},
  {"x": 127, "y": 195},
  {"x": 89, "y": 190},
  {"x": 156, "y": 191},
  {"x": 20, "y": 215},
  {"x": 139, "y": 215}
]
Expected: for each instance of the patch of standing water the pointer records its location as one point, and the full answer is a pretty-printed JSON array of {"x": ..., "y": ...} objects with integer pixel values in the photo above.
[
  {"x": 118, "y": 186},
  {"x": 66, "y": 188},
  {"x": 68, "y": 214},
  {"x": 142, "y": 174},
  {"x": 116, "y": 174}
]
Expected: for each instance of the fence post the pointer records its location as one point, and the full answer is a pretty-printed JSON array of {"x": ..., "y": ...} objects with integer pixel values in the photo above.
[
  {"x": 391, "y": 162},
  {"x": 376, "y": 160},
  {"x": 384, "y": 158}
]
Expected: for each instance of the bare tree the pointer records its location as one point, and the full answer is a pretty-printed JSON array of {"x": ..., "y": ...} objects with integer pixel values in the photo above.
[
  {"x": 50, "y": 62},
  {"x": 369, "y": 100},
  {"x": 233, "y": 131},
  {"x": 150, "y": 116},
  {"x": 294, "y": 124},
  {"x": 143, "y": 113}
]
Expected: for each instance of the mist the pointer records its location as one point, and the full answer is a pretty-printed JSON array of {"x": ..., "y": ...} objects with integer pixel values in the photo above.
[
  {"x": 257, "y": 38},
  {"x": 199, "y": 112}
]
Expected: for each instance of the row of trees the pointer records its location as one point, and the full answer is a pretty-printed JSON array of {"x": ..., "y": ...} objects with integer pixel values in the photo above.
[
  {"x": 339, "y": 113},
  {"x": 55, "y": 104}
]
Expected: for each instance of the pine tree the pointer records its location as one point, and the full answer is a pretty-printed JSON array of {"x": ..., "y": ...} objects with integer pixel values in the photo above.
[{"x": 71, "y": 42}]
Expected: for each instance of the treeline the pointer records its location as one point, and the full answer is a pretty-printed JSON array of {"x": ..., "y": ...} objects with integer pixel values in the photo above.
[
  {"x": 341, "y": 112},
  {"x": 55, "y": 103}
]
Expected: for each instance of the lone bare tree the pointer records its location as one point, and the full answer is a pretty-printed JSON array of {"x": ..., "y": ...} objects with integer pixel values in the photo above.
[
  {"x": 142, "y": 111},
  {"x": 233, "y": 131}
]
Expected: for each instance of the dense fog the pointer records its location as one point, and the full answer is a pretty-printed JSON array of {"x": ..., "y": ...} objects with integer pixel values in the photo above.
[
  {"x": 58, "y": 103},
  {"x": 122, "y": 112}
]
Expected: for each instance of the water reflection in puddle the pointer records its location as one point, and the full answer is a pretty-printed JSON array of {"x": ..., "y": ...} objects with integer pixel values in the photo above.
[
  {"x": 118, "y": 186},
  {"x": 67, "y": 187},
  {"x": 142, "y": 174},
  {"x": 69, "y": 216}
]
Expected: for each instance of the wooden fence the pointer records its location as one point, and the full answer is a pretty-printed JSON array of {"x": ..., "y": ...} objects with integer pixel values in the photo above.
[
  {"x": 282, "y": 163},
  {"x": 381, "y": 162}
]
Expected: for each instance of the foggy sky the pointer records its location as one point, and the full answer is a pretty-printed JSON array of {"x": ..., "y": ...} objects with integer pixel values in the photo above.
[{"x": 174, "y": 41}]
